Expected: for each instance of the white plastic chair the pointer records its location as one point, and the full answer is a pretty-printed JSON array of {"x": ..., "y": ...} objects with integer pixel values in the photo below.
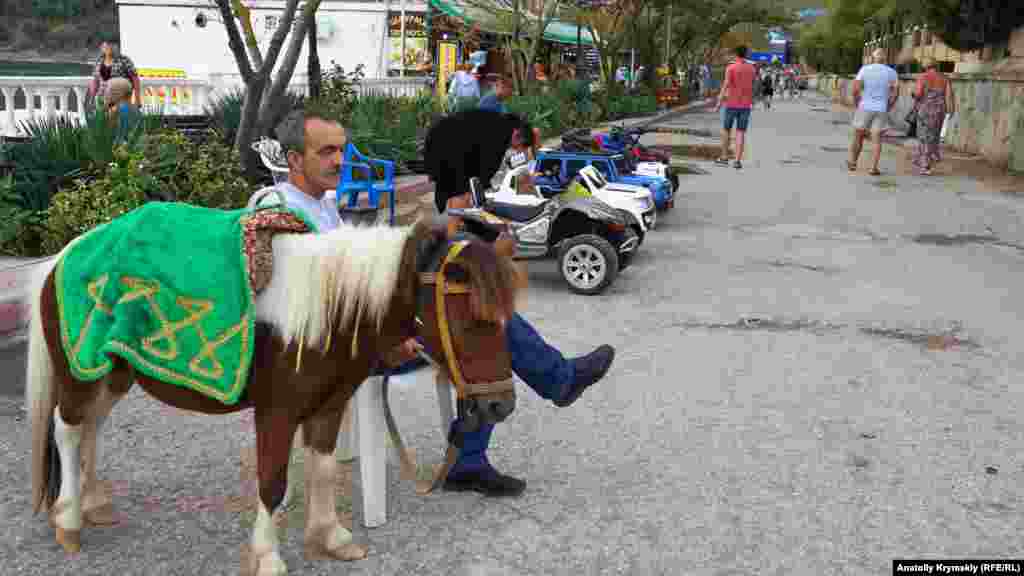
[
  {"x": 364, "y": 435},
  {"x": 273, "y": 158}
]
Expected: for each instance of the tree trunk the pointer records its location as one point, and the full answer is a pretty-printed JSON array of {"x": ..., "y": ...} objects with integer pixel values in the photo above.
[
  {"x": 313, "y": 63},
  {"x": 247, "y": 125},
  {"x": 279, "y": 85}
]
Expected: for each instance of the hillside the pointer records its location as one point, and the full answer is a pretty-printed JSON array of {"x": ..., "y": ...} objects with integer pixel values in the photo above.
[{"x": 55, "y": 30}]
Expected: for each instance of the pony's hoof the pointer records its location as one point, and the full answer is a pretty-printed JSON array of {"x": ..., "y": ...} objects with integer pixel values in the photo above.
[
  {"x": 70, "y": 540},
  {"x": 102, "y": 515},
  {"x": 346, "y": 552}
]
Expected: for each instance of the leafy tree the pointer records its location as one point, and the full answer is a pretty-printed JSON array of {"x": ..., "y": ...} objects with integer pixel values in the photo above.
[
  {"x": 523, "y": 34},
  {"x": 261, "y": 90},
  {"x": 967, "y": 25}
]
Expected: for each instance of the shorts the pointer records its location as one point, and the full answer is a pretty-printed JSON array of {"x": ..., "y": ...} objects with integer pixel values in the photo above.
[
  {"x": 739, "y": 116},
  {"x": 870, "y": 120}
]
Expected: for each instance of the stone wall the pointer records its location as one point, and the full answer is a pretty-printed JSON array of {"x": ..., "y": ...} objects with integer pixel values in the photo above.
[{"x": 990, "y": 114}]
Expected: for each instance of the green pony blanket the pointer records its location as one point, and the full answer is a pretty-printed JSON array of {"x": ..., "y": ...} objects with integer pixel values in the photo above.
[{"x": 168, "y": 288}]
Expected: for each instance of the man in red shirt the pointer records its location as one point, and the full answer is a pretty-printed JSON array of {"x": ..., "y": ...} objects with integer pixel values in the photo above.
[{"x": 738, "y": 96}]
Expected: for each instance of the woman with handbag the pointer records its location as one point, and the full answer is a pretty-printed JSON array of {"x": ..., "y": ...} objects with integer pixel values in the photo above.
[{"x": 934, "y": 96}]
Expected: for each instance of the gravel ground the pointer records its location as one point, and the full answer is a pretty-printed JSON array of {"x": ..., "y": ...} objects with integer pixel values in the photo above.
[{"x": 816, "y": 374}]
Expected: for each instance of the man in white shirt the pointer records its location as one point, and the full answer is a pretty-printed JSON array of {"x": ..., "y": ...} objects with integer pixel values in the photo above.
[
  {"x": 314, "y": 148},
  {"x": 875, "y": 90}
]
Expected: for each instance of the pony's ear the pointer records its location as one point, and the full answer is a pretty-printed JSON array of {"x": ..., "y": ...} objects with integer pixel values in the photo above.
[{"x": 430, "y": 234}]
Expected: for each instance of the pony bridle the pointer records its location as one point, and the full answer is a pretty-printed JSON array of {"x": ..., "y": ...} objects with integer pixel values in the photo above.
[{"x": 474, "y": 409}]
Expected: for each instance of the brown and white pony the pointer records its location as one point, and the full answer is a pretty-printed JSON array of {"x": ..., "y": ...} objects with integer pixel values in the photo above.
[{"x": 336, "y": 303}]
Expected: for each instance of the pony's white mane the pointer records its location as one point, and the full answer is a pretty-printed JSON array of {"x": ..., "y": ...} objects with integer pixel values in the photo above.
[{"x": 331, "y": 279}]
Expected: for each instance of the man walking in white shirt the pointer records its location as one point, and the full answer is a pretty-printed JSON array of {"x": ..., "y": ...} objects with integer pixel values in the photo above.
[{"x": 879, "y": 86}]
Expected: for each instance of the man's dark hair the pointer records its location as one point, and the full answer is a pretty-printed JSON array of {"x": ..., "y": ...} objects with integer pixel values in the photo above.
[{"x": 741, "y": 51}]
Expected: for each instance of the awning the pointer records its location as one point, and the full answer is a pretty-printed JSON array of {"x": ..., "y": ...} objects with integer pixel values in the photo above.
[
  {"x": 565, "y": 33},
  {"x": 485, "y": 14}
]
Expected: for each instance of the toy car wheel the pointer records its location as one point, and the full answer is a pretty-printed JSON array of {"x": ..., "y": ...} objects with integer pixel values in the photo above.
[{"x": 588, "y": 264}]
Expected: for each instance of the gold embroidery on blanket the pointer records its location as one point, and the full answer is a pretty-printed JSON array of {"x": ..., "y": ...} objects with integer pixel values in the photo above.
[
  {"x": 95, "y": 290},
  {"x": 209, "y": 348},
  {"x": 140, "y": 288}
]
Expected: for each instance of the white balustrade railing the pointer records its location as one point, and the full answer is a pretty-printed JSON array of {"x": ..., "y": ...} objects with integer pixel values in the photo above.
[{"x": 65, "y": 96}]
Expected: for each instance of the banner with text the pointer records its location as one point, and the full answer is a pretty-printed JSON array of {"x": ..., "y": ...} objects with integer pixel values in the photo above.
[{"x": 417, "y": 58}]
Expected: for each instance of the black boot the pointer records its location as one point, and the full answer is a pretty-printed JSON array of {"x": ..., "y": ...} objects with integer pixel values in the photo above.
[
  {"x": 589, "y": 369},
  {"x": 486, "y": 481}
]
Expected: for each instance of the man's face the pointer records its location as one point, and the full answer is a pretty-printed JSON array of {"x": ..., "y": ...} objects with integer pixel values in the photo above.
[
  {"x": 320, "y": 165},
  {"x": 106, "y": 49}
]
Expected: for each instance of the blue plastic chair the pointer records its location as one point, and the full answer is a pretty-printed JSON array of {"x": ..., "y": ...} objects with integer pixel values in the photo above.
[{"x": 349, "y": 187}]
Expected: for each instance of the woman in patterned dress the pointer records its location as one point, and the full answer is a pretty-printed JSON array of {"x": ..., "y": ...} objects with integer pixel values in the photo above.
[
  {"x": 110, "y": 65},
  {"x": 934, "y": 96}
]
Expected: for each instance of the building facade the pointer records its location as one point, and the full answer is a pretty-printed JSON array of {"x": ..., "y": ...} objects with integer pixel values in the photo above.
[{"x": 188, "y": 36}]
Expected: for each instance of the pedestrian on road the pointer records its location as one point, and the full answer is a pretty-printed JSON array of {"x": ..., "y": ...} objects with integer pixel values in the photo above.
[
  {"x": 541, "y": 366},
  {"x": 738, "y": 95},
  {"x": 879, "y": 85},
  {"x": 934, "y": 96},
  {"x": 464, "y": 87},
  {"x": 768, "y": 90},
  {"x": 516, "y": 155},
  {"x": 111, "y": 64}
]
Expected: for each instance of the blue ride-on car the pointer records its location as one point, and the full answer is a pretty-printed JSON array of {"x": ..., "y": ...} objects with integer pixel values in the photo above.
[{"x": 558, "y": 167}]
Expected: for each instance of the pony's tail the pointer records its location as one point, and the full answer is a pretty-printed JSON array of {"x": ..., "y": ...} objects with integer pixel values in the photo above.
[{"x": 40, "y": 399}]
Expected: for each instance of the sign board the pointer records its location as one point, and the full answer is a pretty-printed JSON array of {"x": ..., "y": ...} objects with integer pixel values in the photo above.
[
  {"x": 767, "y": 57},
  {"x": 160, "y": 73},
  {"x": 417, "y": 57},
  {"x": 162, "y": 95},
  {"x": 447, "y": 54}
]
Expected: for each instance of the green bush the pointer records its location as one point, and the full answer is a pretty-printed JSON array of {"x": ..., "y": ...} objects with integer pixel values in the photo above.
[
  {"x": 225, "y": 112},
  {"x": 164, "y": 166},
  {"x": 387, "y": 127},
  {"x": 338, "y": 91},
  {"x": 89, "y": 203},
  {"x": 626, "y": 105},
  {"x": 213, "y": 177},
  {"x": 568, "y": 106},
  {"x": 58, "y": 151}
]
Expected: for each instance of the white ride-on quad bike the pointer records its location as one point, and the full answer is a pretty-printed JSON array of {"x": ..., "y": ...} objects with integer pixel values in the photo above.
[
  {"x": 591, "y": 240},
  {"x": 636, "y": 203}
]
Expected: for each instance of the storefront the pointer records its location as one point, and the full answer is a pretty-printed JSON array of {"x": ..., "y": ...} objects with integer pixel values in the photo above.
[
  {"x": 458, "y": 29},
  {"x": 409, "y": 52}
]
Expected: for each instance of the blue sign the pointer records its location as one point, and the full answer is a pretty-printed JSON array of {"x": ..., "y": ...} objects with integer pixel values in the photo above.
[
  {"x": 767, "y": 56},
  {"x": 808, "y": 13}
]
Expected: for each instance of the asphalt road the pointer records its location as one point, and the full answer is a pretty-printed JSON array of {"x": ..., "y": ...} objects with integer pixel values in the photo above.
[{"x": 817, "y": 373}]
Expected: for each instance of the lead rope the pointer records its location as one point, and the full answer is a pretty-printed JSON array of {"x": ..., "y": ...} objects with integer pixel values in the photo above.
[
  {"x": 407, "y": 458},
  {"x": 451, "y": 455}
]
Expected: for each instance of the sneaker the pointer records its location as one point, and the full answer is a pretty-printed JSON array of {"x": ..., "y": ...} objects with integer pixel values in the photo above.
[
  {"x": 722, "y": 161},
  {"x": 589, "y": 369},
  {"x": 486, "y": 481},
  {"x": 737, "y": 165}
]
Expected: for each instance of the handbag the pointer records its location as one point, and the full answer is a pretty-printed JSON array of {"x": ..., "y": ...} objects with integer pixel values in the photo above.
[
  {"x": 911, "y": 120},
  {"x": 949, "y": 119}
]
